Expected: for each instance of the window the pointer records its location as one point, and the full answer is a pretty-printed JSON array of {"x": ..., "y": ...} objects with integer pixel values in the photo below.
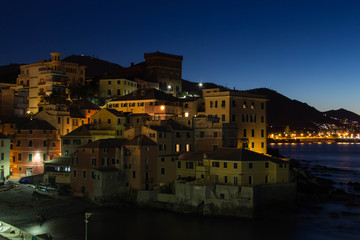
[
  {"x": 266, "y": 164},
  {"x": 93, "y": 161},
  {"x": 2, "y": 156},
  {"x": 66, "y": 153},
  {"x": 214, "y": 147},
  {"x": 202, "y": 134},
  {"x": 252, "y": 132},
  {"x": 30, "y": 157},
  {"x": 262, "y": 133},
  {"x": 18, "y": 143},
  {"x": 188, "y": 147},
  {"x": 30, "y": 143},
  {"x": 162, "y": 159},
  {"x": 178, "y": 147},
  {"x": 186, "y": 105},
  {"x": 266, "y": 178},
  {"x": 223, "y": 103},
  {"x": 211, "y": 104},
  {"x": 225, "y": 164},
  {"x": 262, "y": 119},
  {"x": 77, "y": 141},
  {"x": 252, "y": 145},
  {"x": 134, "y": 174},
  {"x": 189, "y": 165},
  {"x": 244, "y": 132},
  {"x": 250, "y": 180},
  {"x": 233, "y": 118},
  {"x": 235, "y": 165},
  {"x": 19, "y": 156},
  {"x": 75, "y": 161},
  {"x": 179, "y": 164},
  {"x": 262, "y": 145},
  {"x": 162, "y": 171},
  {"x": 262, "y": 105},
  {"x": 223, "y": 117},
  {"x": 44, "y": 143},
  {"x": 74, "y": 173},
  {"x": 59, "y": 119},
  {"x": 216, "y": 104},
  {"x": 30, "y": 131},
  {"x": 215, "y": 164},
  {"x": 44, "y": 157},
  {"x": 225, "y": 179},
  {"x": 84, "y": 173},
  {"x": 250, "y": 165},
  {"x": 67, "y": 120}
]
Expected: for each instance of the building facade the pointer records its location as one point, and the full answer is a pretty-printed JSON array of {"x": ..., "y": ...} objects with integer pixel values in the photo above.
[
  {"x": 4, "y": 157},
  {"x": 44, "y": 78}
]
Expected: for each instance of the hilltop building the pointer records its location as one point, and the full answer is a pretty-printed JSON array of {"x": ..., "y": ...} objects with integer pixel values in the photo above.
[
  {"x": 44, "y": 78},
  {"x": 161, "y": 68}
]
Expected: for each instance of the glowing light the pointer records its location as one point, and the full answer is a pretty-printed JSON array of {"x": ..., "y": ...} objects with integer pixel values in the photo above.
[
  {"x": 186, "y": 114},
  {"x": 200, "y": 84},
  {"x": 37, "y": 156},
  {"x": 162, "y": 107}
]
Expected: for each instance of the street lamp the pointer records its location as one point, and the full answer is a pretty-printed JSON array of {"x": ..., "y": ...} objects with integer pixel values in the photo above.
[{"x": 87, "y": 215}]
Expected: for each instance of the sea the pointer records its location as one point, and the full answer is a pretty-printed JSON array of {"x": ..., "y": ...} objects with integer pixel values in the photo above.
[{"x": 339, "y": 162}]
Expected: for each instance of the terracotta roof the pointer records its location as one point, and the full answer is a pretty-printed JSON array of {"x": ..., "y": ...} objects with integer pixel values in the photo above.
[
  {"x": 176, "y": 126},
  {"x": 115, "y": 112},
  {"x": 36, "y": 124},
  {"x": 3, "y": 135},
  {"x": 59, "y": 161},
  {"x": 159, "y": 128},
  {"x": 85, "y": 104},
  {"x": 141, "y": 140},
  {"x": 228, "y": 154},
  {"x": 106, "y": 143},
  {"x": 74, "y": 113},
  {"x": 147, "y": 93},
  {"x": 83, "y": 130}
]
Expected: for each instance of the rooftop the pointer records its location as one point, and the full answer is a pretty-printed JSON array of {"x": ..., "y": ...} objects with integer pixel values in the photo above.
[{"x": 145, "y": 94}]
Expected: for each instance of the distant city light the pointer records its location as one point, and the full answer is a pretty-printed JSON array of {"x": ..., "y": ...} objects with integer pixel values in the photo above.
[
  {"x": 162, "y": 107},
  {"x": 200, "y": 84}
]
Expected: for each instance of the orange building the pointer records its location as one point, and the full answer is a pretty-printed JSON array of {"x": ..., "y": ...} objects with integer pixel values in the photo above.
[{"x": 34, "y": 143}]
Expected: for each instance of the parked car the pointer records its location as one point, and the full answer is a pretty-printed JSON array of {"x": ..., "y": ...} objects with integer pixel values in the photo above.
[{"x": 24, "y": 180}]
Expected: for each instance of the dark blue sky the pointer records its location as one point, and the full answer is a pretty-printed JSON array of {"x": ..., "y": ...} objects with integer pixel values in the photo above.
[{"x": 306, "y": 50}]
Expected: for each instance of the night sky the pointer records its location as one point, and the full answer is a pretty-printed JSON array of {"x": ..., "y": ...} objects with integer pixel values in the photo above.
[{"x": 305, "y": 50}]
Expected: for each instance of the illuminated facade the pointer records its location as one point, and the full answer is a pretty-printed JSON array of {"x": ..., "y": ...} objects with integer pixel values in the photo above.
[
  {"x": 48, "y": 77},
  {"x": 110, "y": 88},
  {"x": 247, "y": 111},
  {"x": 157, "y": 104},
  {"x": 34, "y": 143},
  {"x": 233, "y": 167}
]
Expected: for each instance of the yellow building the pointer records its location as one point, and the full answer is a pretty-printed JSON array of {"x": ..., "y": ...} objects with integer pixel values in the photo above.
[
  {"x": 46, "y": 77},
  {"x": 108, "y": 122},
  {"x": 248, "y": 111},
  {"x": 232, "y": 166},
  {"x": 110, "y": 88},
  {"x": 159, "y": 105}
]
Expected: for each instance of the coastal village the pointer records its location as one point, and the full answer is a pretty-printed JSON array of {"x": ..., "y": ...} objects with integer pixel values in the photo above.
[{"x": 144, "y": 139}]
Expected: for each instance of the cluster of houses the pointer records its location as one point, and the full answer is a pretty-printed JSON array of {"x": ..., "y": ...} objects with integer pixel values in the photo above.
[{"x": 144, "y": 137}]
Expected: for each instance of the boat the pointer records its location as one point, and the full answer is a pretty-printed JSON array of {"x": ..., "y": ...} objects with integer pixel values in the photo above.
[
  {"x": 46, "y": 191},
  {"x": 8, "y": 231}
]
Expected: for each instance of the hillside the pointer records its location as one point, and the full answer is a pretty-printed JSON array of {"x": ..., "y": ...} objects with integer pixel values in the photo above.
[
  {"x": 342, "y": 114},
  {"x": 282, "y": 112},
  {"x": 9, "y": 73},
  {"x": 96, "y": 68}
]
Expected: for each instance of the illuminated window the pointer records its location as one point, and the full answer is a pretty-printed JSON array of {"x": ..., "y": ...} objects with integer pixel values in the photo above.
[
  {"x": 186, "y": 114},
  {"x": 178, "y": 147}
]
